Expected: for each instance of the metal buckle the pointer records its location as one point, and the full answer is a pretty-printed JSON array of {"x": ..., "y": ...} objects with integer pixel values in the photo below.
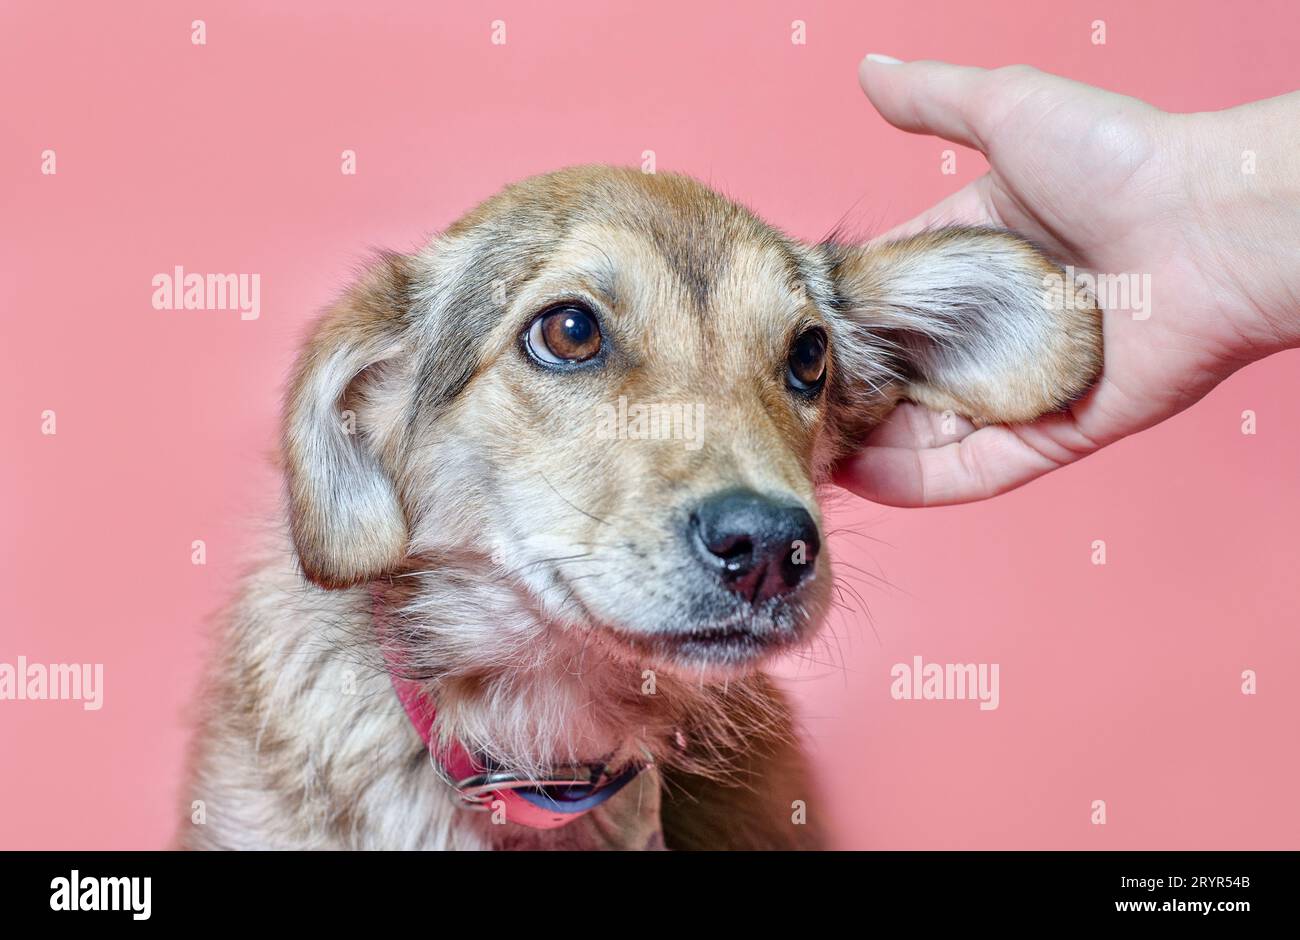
[{"x": 476, "y": 791}]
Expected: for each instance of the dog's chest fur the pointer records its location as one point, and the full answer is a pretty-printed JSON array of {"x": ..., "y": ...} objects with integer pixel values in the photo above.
[{"x": 305, "y": 744}]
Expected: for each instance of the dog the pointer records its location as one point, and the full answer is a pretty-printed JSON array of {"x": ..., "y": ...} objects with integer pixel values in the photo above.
[{"x": 495, "y": 620}]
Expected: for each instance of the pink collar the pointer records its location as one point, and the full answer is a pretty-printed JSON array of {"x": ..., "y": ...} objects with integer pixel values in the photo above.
[{"x": 567, "y": 794}]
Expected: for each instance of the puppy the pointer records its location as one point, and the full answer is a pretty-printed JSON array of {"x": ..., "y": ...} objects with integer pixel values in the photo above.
[{"x": 508, "y": 610}]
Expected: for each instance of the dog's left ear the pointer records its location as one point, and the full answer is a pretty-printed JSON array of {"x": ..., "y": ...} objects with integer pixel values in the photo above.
[{"x": 973, "y": 320}]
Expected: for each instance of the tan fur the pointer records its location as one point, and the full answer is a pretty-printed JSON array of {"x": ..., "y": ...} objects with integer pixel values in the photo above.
[
  {"x": 346, "y": 522},
  {"x": 1049, "y": 362},
  {"x": 450, "y": 500}
]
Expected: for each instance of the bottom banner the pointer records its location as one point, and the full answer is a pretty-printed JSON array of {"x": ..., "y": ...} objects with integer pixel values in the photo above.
[{"x": 331, "y": 889}]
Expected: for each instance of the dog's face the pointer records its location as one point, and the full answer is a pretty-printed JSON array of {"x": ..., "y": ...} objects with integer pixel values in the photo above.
[
  {"x": 645, "y": 425},
  {"x": 620, "y": 391}
]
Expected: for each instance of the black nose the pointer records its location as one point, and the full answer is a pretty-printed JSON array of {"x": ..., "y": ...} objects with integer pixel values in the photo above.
[{"x": 760, "y": 548}]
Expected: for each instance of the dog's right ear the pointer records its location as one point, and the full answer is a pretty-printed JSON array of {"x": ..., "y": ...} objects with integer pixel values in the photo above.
[{"x": 347, "y": 522}]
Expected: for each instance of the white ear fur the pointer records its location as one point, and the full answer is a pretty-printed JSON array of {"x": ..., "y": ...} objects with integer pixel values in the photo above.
[
  {"x": 347, "y": 522},
  {"x": 979, "y": 320}
]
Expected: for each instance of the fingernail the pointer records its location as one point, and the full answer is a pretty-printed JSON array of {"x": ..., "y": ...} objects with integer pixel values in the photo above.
[{"x": 883, "y": 59}]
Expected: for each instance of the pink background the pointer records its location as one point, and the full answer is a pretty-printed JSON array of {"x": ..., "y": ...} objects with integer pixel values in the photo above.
[{"x": 1119, "y": 683}]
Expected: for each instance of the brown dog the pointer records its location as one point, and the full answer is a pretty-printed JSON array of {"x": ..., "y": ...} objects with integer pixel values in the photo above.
[{"x": 558, "y": 473}]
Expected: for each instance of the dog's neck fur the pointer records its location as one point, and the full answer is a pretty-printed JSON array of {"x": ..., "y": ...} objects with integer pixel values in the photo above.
[{"x": 313, "y": 749}]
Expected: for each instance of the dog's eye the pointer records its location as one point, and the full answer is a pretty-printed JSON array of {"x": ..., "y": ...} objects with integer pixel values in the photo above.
[
  {"x": 807, "y": 362},
  {"x": 564, "y": 334}
]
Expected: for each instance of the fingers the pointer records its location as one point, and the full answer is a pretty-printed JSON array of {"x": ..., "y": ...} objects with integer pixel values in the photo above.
[
  {"x": 928, "y": 97},
  {"x": 911, "y": 425},
  {"x": 988, "y": 462}
]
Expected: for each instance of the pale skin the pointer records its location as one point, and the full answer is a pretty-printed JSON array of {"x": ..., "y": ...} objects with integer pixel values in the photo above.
[{"x": 1110, "y": 185}]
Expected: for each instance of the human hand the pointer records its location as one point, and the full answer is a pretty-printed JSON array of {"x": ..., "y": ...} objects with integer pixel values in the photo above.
[{"x": 1113, "y": 187}]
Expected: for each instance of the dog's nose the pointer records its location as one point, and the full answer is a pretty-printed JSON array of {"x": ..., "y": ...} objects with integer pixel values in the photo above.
[{"x": 759, "y": 547}]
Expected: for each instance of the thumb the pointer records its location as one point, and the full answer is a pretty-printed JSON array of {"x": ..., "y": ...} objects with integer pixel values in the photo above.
[{"x": 929, "y": 97}]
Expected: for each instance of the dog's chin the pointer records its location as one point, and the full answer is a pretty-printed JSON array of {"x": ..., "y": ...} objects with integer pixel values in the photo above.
[{"x": 706, "y": 651}]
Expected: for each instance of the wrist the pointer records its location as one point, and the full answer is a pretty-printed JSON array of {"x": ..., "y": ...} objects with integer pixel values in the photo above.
[{"x": 1242, "y": 170}]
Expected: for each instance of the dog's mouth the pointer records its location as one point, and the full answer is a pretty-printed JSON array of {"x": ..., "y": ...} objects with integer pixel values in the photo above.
[
  {"x": 722, "y": 643},
  {"x": 728, "y": 648},
  {"x": 732, "y": 644}
]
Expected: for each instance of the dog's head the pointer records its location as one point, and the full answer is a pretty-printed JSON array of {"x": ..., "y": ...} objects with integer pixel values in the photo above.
[{"x": 621, "y": 392}]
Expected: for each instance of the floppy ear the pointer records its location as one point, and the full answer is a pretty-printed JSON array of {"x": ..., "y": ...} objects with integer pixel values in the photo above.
[
  {"x": 347, "y": 523},
  {"x": 975, "y": 320}
]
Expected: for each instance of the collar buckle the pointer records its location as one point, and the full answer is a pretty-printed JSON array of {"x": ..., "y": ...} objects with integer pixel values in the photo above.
[{"x": 477, "y": 790}]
